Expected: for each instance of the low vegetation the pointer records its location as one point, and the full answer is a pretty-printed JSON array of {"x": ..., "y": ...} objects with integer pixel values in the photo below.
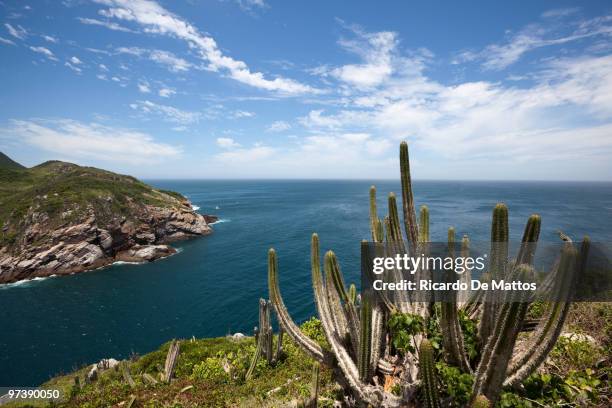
[{"x": 58, "y": 193}]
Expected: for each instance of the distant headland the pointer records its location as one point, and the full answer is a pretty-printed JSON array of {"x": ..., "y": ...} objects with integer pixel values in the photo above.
[{"x": 60, "y": 218}]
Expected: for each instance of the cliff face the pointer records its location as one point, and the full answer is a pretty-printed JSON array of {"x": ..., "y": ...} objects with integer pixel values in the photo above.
[{"x": 60, "y": 218}]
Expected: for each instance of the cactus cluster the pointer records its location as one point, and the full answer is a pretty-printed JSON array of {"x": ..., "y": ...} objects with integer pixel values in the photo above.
[{"x": 360, "y": 350}]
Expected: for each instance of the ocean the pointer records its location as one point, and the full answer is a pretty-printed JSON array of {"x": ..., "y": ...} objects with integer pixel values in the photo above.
[{"x": 212, "y": 286}]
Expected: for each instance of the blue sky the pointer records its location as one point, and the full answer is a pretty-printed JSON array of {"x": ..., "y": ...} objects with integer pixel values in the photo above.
[{"x": 278, "y": 89}]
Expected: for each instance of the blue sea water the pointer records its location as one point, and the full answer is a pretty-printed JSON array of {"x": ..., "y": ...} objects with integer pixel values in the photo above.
[{"x": 211, "y": 288}]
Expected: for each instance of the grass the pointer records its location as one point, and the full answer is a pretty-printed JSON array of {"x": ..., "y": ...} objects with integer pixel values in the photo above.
[{"x": 210, "y": 373}]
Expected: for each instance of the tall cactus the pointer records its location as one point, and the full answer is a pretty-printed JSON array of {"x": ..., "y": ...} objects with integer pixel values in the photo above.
[
  {"x": 357, "y": 332},
  {"x": 428, "y": 375},
  {"x": 449, "y": 318},
  {"x": 412, "y": 229}
]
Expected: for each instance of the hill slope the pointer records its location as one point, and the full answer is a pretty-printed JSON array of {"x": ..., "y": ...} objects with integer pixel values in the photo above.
[
  {"x": 59, "y": 218},
  {"x": 8, "y": 163}
]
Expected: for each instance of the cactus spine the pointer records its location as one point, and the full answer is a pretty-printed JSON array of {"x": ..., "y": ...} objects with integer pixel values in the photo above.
[{"x": 428, "y": 375}]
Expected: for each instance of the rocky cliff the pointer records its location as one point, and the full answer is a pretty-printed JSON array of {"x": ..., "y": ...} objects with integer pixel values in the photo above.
[{"x": 60, "y": 218}]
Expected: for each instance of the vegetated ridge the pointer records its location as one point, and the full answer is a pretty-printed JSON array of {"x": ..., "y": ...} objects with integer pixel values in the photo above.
[{"x": 61, "y": 218}]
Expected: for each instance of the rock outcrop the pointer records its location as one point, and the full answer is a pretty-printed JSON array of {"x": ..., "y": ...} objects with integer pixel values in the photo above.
[
  {"x": 88, "y": 244},
  {"x": 60, "y": 218}
]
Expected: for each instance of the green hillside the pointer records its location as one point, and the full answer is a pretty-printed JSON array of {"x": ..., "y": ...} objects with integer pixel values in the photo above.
[
  {"x": 57, "y": 193},
  {"x": 8, "y": 163}
]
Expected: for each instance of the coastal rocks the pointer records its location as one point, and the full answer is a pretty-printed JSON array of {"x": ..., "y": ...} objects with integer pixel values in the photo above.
[
  {"x": 90, "y": 243},
  {"x": 102, "y": 365},
  {"x": 142, "y": 253}
]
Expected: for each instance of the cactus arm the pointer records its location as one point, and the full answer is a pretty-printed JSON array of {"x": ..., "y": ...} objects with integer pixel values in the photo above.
[
  {"x": 547, "y": 333},
  {"x": 352, "y": 294},
  {"x": 338, "y": 315},
  {"x": 428, "y": 375},
  {"x": 365, "y": 339},
  {"x": 378, "y": 336},
  {"x": 347, "y": 366},
  {"x": 529, "y": 241},
  {"x": 410, "y": 224},
  {"x": 493, "y": 365},
  {"x": 449, "y": 319},
  {"x": 394, "y": 223},
  {"x": 285, "y": 320},
  {"x": 424, "y": 224},
  {"x": 499, "y": 257},
  {"x": 375, "y": 224}
]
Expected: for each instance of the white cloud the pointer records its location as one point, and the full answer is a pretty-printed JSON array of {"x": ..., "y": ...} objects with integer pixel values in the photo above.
[
  {"x": 376, "y": 50},
  {"x": 168, "y": 113},
  {"x": 6, "y": 41},
  {"x": 227, "y": 143},
  {"x": 103, "y": 67},
  {"x": 240, "y": 157},
  {"x": 73, "y": 67},
  {"x": 170, "y": 61},
  {"x": 50, "y": 39},
  {"x": 136, "y": 51},
  {"x": 157, "y": 20},
  {"x": 17, "y": 32},
  {"x": 249, "y": 5},
  {"x": 144, "y": 87},
  {"x": 90, "y": 140},
  {"x": 44, "y": 51},
  {"x": 243, "y": 114},
  {"x": 108, "y": 24},
  {"x": 279, "y": 126},
  {"x": 493, "y": 124},
  {"x": 534, "y": 36},
  {"x": 74, "y": 60},
  {"x": 166, "y": 92}
]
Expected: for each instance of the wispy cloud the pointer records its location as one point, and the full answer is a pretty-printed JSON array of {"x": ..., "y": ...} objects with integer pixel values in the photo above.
[
  {"x": 51, "y": 39},
  {"x": 16, "y": 31},
  {"x": 164, "y": 58},
  {"x": 376, "y": 50},
  {"x": 166, "y": 92},
  {"x": 538, "y": 35},
  {"x": 170, "y": 61},
  {"x": 90, "y": 140},
  {"x": 6, "y": 41},
  {"x": 168, "y": 113},
  {"x": 108, "y": 24},
  {"x": 227, "y": 143},
  {"x": 44, "y": 51},
  {"x": 278, "y": 126},
  {"x": 157, "y": 20}
]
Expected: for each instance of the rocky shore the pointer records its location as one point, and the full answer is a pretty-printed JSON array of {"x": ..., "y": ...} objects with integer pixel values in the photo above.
[{"x": 89, "y": 244}]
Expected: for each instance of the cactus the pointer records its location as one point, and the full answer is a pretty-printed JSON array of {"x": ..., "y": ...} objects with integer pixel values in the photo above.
[
  {"x": 449, "y": 318},
  {"x": 428, "y": 375},
  {"x": 171, "y": 358},
  {"x": 424, "y": 224},
  {"x": 352, "y": 294},
  {"x": 356, "y": 329},
  {"x": 412, "y": 229},
  {"x": 264, "y": 339},
  {"x": 125, "y": 372},
  {"x": 376, "y": 227}
]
